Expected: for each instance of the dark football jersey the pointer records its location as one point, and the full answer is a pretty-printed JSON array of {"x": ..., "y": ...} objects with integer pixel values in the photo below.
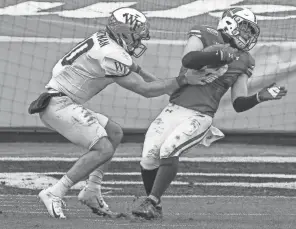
[{"x": 206, "y": 98}]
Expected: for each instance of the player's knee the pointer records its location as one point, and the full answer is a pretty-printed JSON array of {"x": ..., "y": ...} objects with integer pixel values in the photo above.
[
  {"x": 114, "y": 132},
  {"x": 104, "y": 148},
  {"x": 149, "y": 163}
]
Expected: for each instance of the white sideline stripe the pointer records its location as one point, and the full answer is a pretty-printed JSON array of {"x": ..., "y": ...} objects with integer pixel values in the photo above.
[
  {"x": 143, "y": 225},
  {"x": 257, "y": 175},
  {"x": 263, "y": 159},
  {"x": 283, "y": 42},
  {"x": 40, "y": 181},
  {"x": 94, "y": 26},
  {"x": 21, "y": 196}
]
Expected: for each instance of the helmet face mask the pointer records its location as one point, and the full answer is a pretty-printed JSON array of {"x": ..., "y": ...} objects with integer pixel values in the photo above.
[
  {"x": 240, "y": 25},
  {"x": 129, "y": 27}
]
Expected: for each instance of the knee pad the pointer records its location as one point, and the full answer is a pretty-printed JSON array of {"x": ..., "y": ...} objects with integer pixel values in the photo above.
[{"x": 149, "y": 163}]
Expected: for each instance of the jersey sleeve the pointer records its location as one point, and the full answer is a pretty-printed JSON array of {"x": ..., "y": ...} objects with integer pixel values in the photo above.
[
  {"x": 206, "y": 34},
  {"x": 197, "y": 31},
  {"x": 117, "y": 64}
]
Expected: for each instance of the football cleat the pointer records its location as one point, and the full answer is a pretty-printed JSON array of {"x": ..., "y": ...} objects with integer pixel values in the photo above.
[
  {"x": 52, "y": 203},
  {"x": 159, "y": 210},
  {"x": 96, "y": 203},
  {"x": 148, "y": 210}
]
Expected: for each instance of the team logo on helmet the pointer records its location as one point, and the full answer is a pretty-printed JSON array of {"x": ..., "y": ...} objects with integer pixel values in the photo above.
[
  {"x": 129, "y": 27},
  {"x": 240, "y": 24}
]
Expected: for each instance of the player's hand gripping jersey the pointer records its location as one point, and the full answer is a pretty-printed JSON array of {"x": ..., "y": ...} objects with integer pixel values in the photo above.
[
  {"x": 205, "y": 97},
  {"x": 89, "y": 67}
]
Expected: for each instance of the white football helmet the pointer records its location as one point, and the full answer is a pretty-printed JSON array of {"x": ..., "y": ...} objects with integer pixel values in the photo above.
[
  {"x": 240, "y": 24},
  {"x": 128, "y": 27}
]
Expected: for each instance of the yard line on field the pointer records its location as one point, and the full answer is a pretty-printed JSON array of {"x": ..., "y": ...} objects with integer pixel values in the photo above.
[
  {"x": 284, "y": 185},
  {"x": 254, "y": 175},
  {"x": 39, "y": 181},
  {"x": 288, "y": 43},
  {"x": 263, "y": 159},
  {"x": 25, "y": 196}
]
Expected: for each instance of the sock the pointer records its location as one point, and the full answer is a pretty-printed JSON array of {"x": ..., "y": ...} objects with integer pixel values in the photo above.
[
  {"x": 167, "y": 172},
  {"x": 95, "y": 180},
  {"x": 61, "y": 187},
  {"x": 148, "y": 177}
]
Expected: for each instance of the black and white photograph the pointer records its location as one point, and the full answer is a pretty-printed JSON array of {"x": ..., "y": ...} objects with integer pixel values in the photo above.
[{"x": 148, "y": 114}]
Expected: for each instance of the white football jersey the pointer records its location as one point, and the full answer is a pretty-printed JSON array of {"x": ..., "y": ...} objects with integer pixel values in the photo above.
[{"x": 90, "y": 67}]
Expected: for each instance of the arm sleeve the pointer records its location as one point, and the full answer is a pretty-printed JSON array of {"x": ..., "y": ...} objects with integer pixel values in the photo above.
[
  {"x": 197, "y": 59},
  {"x": 242, "y": 103}
]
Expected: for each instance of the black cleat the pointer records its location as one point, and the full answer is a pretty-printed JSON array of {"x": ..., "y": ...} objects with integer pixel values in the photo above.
[
  {"x": 147, "y": 210},
  {"x": 159, "y": 210}
]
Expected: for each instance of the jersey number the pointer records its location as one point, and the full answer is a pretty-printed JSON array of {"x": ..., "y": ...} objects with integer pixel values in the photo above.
[{"x": 77, "y": 51}]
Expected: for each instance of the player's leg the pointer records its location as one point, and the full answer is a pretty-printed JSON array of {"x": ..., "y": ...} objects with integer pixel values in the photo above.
[
  {"x": 115, "y": 135},
  {"x": 157, "y": 132},
  {"x": 188, "y": 133},
  {"x": 81, "y": 127},
  {"x": 91, "y": 194}
]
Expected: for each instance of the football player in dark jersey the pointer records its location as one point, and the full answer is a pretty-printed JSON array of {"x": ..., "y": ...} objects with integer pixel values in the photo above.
[{"x": 220, "y": 60}]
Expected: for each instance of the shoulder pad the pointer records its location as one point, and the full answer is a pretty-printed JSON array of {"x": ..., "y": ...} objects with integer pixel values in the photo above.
[
  {"x": 211, "y": 30},
  {"x": 196, "y": 30},
  {"x": 206, "y": 34},
  {"x": 202, "y": 31},
  {"x": 117, "y": 63}
]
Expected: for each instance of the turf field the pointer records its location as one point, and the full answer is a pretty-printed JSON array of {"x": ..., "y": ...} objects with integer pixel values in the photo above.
[{"x": 225, "y": 186}]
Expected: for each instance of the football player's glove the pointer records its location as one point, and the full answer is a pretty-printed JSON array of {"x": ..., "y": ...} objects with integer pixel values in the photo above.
[{"x": 272, "y": 92}]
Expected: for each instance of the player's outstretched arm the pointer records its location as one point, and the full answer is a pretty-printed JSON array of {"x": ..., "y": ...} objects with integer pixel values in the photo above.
[
  {"x": 147, "y": 76},
  {"x": 135, "y": 83},
  {"x": 242, "y": 102}
]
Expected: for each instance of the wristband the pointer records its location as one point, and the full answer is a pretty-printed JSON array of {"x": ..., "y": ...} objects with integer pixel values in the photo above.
[
  {"x": 243, "y": 103},
  {"x": 257, "y": 97}
]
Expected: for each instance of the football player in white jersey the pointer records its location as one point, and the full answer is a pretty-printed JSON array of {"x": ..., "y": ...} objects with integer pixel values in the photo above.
[{"x": 102, "y": 59}]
